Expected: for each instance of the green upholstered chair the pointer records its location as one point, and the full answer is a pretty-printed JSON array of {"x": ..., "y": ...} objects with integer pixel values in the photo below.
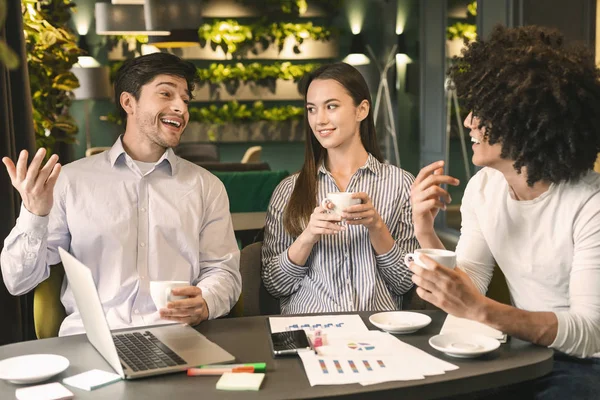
[
  {"x": 250, "y": 191},
  {"x": 254, "y": 300},
  {"x": 48, "y": 311}
]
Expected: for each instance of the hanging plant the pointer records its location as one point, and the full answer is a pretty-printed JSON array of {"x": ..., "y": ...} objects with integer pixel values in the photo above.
[
  {"x": 232, "y": 37},
  {"x": 7, "y": 56},
  {"x": 51, "y": 52}
]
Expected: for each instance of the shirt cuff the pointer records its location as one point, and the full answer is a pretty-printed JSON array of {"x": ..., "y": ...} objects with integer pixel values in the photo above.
[
  {"x": 390, "y": 259},
  {"x": 209, "y": 298},
  {"x": 288, "y": 267},
  {"x": 31, "y": 223}
]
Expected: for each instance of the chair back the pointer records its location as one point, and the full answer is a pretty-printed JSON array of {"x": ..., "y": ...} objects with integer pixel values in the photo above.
[
  {"x": 48, "y": 311},
  {"x": 254, "y": 300},
  {"x": 252, "y": 155},
  {"x": 198, "y": 152}
]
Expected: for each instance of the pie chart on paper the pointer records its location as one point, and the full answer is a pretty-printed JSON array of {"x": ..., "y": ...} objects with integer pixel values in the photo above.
[{"x": 361, "y": 346}]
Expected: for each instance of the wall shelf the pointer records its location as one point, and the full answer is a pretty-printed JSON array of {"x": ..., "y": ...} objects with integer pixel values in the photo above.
[
  {"x": 249, "y": 91},
  {"x": 259, "y": 131},
  {"x": 309, "y": 49},
  {"x": 233, "y": 9}
]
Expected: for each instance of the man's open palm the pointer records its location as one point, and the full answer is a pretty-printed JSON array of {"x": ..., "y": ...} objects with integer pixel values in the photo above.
[{"x": 35, "y": 184}]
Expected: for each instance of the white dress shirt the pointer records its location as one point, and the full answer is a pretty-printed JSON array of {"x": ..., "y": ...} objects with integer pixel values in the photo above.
[
  {"x": 548, "y": 249},
  {"x": 130, "y": 228}
]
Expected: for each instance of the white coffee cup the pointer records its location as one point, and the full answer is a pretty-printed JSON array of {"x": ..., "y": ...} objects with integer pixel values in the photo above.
[
  {"x": 161, "y": 292},
  {"x": 446, "y": 258},
  {"x": 340, "y": 201}
]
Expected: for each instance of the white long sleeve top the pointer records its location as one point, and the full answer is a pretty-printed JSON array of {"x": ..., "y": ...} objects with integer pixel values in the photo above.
[{"x": 548, "y": 249}]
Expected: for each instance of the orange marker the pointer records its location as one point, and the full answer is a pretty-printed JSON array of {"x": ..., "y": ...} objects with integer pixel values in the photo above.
[{"x": 217, "y": 371}]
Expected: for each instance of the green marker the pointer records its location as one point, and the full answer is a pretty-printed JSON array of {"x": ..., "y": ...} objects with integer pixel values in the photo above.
[{"x": 258, "y": 367}]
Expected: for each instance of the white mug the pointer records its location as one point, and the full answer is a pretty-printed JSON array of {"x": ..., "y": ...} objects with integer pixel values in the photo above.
[
  {"x": 340, "y": 201},
  {"x": 161, "y": 294},
  {"x": 446, "y": 258}
]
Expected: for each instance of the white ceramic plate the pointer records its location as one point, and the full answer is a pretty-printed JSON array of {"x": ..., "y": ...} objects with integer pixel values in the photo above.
[
  {"x": 32, "y": 368},
  {"x": 400, "y": 321},
  {"x": 464, "y": 345}
]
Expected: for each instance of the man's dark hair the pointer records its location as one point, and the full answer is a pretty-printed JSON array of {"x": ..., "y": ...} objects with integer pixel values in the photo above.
[
  {"x": 535, "y": 96},
  {"x": 137, "y": 72}
]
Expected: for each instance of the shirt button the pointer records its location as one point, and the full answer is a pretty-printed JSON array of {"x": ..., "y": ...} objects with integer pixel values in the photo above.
[
  {"x": 136, "y": 311},
  {"x": 143, "y": 244},
  {"x": 143, "y": 209}
]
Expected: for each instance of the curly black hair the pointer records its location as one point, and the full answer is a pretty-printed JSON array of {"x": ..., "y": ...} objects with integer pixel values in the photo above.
[{"x": 535, "y": 96}]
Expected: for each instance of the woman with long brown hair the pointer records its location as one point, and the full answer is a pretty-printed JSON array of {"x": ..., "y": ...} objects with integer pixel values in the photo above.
[{"x": 316, "y": 261}]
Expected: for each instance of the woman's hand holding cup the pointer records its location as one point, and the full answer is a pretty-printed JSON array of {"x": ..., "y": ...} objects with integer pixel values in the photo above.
[{"x": 322, "y": 223}]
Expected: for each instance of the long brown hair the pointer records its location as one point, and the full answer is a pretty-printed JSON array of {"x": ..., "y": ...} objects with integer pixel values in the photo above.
[{"x": 302, "y": 202}]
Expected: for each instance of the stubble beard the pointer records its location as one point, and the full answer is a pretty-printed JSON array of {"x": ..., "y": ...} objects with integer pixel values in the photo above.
[{"x": 151, "y": 131}]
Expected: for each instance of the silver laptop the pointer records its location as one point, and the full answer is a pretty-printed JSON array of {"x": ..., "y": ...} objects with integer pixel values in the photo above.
[{"x": 139, "y": 352}]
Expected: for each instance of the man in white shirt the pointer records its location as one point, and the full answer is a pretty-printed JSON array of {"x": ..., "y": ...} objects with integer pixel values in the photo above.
[
  {"x": 134, "y": 214},
  {"x": 534, "y": 209}
]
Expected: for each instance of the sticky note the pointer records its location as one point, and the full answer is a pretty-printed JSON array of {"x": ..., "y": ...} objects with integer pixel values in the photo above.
[
  {"x": 49, "y": 391},
  {"x": 240, "y": 381},
  {"x": 92, "y": 379}
]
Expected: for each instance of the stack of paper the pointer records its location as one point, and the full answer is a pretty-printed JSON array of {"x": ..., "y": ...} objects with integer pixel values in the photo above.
[
  {"x": 353, "y": 354},
  {"x": 462, "y": 325},
  {"x": 369, "y": 357}
]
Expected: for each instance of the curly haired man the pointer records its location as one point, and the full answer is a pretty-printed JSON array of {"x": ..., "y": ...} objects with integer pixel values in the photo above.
[{"x": 534, "y": 207}]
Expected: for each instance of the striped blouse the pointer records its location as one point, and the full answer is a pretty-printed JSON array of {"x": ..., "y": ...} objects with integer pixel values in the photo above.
[{"x": 343, "y": 273}]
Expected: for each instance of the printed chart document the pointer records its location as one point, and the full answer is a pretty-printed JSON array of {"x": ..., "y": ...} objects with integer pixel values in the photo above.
[
  {"x": 455, "y": 324},
  {"x": 324, "y": 323},
  {"x": 368, "y": 357}
]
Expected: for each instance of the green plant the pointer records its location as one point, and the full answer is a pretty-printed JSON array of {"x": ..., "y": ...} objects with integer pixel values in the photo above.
[
  {"x": 260, "y": 73},
  {"x": 235, "y": 112},
  {"x": 291, "y": 7},
  {"x": 295, "y": 7},
  {"x": 234, "y": 37},
  {"x": 231, "y": 76},
  {"x": 464, "y": 30},
  {"x": 7, "y": 56},
  {"x": 51, "y": 52}
]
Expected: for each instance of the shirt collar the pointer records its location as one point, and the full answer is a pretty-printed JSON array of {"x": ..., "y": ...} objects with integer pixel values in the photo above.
[
  {"x": 372, "y": 165},
  {"x": 117, "y": 152}
]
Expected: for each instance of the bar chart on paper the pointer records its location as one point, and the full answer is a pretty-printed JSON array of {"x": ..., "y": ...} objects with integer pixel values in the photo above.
[
  {"x": 333, "y": 370},
  {"x": 347, "y": 323},
  {"x": 342, "y": 366}
]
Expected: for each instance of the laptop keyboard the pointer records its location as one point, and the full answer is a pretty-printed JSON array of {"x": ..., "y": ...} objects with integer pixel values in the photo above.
[{"x": 143, "y": 351}]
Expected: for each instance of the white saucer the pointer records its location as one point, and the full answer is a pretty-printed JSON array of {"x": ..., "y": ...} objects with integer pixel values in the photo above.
[
  {"x": 32, "y": 368},
  {"x": 464, "y": 345},
  {"x": 400, "y": 321}
]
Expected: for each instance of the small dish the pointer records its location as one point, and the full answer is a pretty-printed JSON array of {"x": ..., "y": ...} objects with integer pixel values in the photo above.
[
  {"x": 32, "y": 368},
  {"x": 463, "y": 345},
  {"x": 400, "y": 322}
]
